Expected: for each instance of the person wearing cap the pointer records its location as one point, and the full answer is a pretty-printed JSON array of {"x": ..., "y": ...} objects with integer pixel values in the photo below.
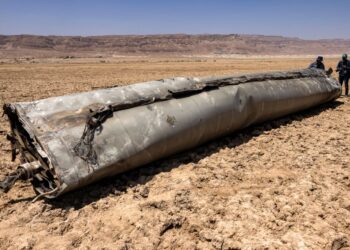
[
  {"x": 343, "y": 68},
  {"x": 318, "y": 64}
]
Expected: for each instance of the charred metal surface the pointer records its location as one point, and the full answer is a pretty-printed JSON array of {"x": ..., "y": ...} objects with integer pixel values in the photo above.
[{"x": 81, "y": 138}]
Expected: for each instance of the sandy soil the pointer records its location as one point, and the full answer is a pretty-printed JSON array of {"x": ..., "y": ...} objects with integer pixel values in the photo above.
[{"x": 281, "y": 185}]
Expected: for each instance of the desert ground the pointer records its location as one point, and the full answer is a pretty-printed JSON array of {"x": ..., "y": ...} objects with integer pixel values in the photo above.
[{"x": 283, "y": 184}]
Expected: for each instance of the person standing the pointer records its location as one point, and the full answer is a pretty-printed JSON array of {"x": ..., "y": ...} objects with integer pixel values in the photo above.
[
  {"x": 318, "y": 64},
  {"x": 343, "y": 68}
]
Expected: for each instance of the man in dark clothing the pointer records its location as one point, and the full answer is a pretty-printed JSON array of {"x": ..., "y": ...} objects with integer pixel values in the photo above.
[
  {"x": 318, "y": 64},
  {"x": 344, "y": 72}
]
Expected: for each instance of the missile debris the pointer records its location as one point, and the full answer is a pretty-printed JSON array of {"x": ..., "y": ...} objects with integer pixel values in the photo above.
[{"x": 70, "y": 141}]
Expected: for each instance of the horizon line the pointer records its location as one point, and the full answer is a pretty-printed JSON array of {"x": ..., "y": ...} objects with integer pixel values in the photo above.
[{"x": 173, "y": 34}]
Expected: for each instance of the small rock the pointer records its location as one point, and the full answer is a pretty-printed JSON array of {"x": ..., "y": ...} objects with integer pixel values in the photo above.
[
  {"x": 144, "y": 192},
  {"x": 340, "y": 243},
  {"x": 170, "y": 224}
]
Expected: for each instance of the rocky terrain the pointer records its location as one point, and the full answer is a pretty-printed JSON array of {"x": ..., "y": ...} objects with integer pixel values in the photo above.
[{"x": 170, "y": 45}]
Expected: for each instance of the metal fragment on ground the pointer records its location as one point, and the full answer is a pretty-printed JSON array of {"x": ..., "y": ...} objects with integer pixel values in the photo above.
[{"x": 70, "y": 141}]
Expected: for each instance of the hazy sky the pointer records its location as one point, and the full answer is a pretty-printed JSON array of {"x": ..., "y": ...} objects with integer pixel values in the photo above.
[{"x": 309, "y": 19}]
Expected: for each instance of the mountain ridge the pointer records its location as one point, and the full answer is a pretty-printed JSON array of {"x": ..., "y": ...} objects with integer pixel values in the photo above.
[{"x": 165, "y": 45}]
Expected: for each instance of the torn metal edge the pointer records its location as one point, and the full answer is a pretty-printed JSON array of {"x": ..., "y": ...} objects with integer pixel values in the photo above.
[{"x": 45, "y": 182}]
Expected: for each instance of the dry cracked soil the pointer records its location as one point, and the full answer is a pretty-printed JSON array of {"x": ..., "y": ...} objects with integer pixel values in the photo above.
[{"x": 283, "y": 184}]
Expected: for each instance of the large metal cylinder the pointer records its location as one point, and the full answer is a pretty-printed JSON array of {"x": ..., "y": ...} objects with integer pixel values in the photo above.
[{"x": 78, "y": 139}]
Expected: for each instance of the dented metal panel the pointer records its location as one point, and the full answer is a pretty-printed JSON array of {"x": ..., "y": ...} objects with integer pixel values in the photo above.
[{"x": 78, "y": 139}]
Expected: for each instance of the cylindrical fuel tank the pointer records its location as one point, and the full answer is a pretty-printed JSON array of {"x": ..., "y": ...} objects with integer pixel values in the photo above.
[{"x": 78, "y": 139}]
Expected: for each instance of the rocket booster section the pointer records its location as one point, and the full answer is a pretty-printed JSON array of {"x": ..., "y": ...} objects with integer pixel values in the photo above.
[{"x": 70, "y": 141}]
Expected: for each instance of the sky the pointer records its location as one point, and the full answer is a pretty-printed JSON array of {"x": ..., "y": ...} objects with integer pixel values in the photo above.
[{"x": 307, "y": 19}]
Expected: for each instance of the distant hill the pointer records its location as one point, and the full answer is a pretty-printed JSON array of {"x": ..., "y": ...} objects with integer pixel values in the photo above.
[{"x": 172, "y": 45}]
